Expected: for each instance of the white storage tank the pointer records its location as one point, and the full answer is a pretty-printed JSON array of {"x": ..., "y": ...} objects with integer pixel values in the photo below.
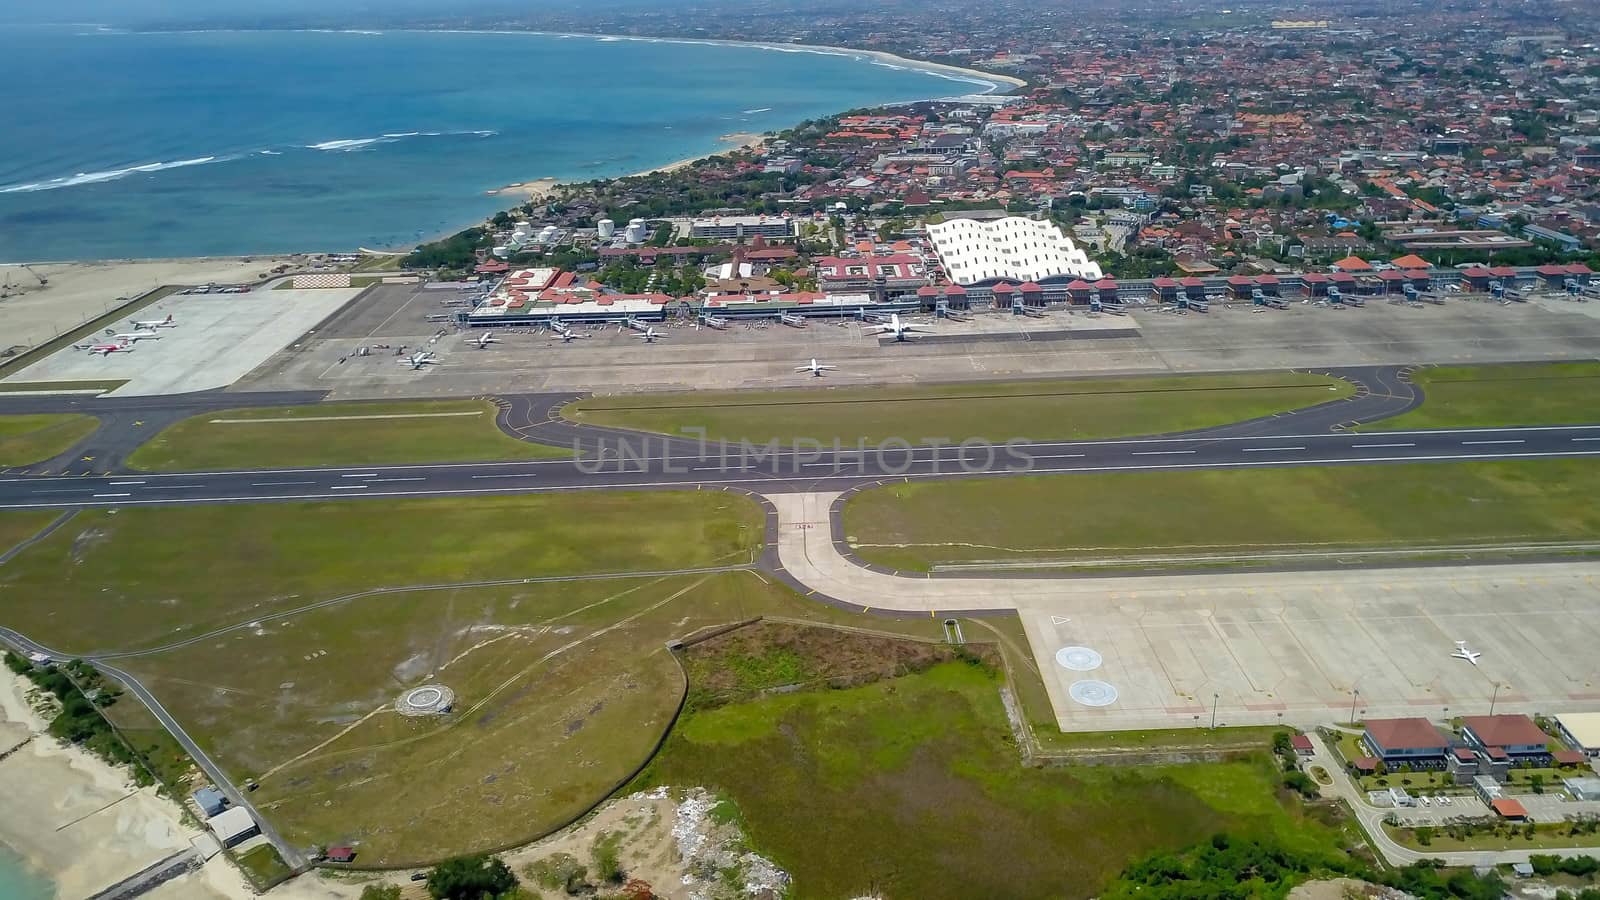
[
  {"x": 637, "y": 230},
  {"x": 547, "y": 234},
  {"x": 606, "y": 229}
]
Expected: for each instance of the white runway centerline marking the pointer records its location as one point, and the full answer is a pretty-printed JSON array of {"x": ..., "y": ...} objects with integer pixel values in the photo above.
[
  {"x": 1159, "y": 452},
  {"x": 417, "y": 478},
  {"x": 113, "y": 495},
  {"x": 1270, "y": 449},
  {"x": 124, "y": 483},
  {"x": 348, "y": 487},
  {"x": 278, "y": 483},
  {"x": 361, "y": 475},
  {"x": 1366, "y": 446},
  {"x": 1469, "y": 443}
]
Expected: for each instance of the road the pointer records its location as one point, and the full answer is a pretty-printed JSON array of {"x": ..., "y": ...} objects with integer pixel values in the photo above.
[
  {"x": 1395, "y": 853},
  {"x": 641, "y": 462},
  {"x": 291, "y": 855}
]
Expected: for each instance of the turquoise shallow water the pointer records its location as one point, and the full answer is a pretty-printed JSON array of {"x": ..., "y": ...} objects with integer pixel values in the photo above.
[
  {"x": 18, "y": 882},
  {"x": 185, "y": 144}
]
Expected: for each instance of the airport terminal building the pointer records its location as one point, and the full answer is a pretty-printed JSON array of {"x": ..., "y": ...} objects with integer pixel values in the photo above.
[{"x": 1001, "y": 255}]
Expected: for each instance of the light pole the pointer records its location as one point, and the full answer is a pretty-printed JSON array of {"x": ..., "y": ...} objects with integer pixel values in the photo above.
[
  {"x": 1354, "y": 696},
  {"x": 1214, "y": 698},
  {"x": 1494, "y": 697}
]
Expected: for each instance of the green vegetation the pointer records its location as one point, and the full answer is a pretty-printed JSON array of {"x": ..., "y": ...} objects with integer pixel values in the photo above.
[
  {"x": 1498, "y": 835},
  {"x": 380, "y": 892},
  {"x": 1186, "y": 518},
  {"x": 558, "y": 872},
  {"x": 471, "y": 878},
  {"x": 25, "y": 440},
  {"x": 1246, "y": 868},
  {"x": 264, "y": 866},
  {"x": 1472, "y": 396},
  {"x": 102, "y": 386},
  {"x": 83, "y": 695},
  {"x": 131, "y": 577},
  {"x": 1038, "y": 410},
  {"x": 329, "y": 434},
  {"x": 17, "y": 525},
  {"x": 916, "y": 783}
]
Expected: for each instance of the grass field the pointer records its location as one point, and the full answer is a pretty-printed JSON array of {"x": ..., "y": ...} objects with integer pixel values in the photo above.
[
  {"x": 29, "y": 439},
  {"x": 121, "y": 579},
  {"x": 1037, "y": 410},
  {"x": 17, "y": 525},
  {"x": 263, "y": 865},
  {"x": 1184, "y": 518},
  {"x": 909, "y": 788},
  {"x": 106, "y": 385},
  {"x": 562, "y": 691},
  {"x": 1473, "y": 396},
  {"x": 330, "y": 434}
]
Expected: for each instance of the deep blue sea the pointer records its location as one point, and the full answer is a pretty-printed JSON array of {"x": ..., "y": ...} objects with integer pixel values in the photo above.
[{"x": 217, "y": 143}]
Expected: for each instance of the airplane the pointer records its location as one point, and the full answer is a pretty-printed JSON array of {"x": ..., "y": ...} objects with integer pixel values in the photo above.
[
  {"x": 814, "y": 368},
  {"x": 1461, "y": 652},
  {"x": 567, "y": 334},
  {"x": 898, "y": 328},
  {"x": 792, "y": 320},
  {"x": 650, "y": 335},
  {"x": 484, "y": 340},
  {"x": 108, "y": 349},
  {"x": 418, "y": 360},
  {"x": 153, "y": 324},
  {"x": 136, "y": 336}
]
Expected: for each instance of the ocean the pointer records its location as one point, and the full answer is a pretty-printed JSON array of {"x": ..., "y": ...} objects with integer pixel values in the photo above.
[
  {"x": 121, "y": 144},
  {"x": 18, "y": 882}
]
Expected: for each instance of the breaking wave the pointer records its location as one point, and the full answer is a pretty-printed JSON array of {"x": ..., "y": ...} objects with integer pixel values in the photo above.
[
  {"x": 106, "y": 175},
  {"x": 348, "y": 144},
  {"x": 97, "y": 177}
]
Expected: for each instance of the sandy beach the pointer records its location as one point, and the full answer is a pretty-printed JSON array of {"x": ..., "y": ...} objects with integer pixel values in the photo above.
[
  {"x": 74, "y": 818},
  {"x": 79, "y": 291}
]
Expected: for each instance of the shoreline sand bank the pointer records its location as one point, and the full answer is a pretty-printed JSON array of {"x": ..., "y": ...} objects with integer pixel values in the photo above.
[{"x": 74, "y": 818}]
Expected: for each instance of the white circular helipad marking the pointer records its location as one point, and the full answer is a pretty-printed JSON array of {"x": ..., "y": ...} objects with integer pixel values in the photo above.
[
  {"x": 1078, "y": 659},
  {"x": 1093, "y": 693},
  {"x": 428, "y": 700}
]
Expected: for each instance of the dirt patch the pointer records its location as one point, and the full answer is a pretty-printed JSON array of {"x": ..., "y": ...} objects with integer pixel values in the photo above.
[
  {"x": 777, "y": 657},
  {"x": 1344, "y": 889},
  {"x": 668, "y": 840}
]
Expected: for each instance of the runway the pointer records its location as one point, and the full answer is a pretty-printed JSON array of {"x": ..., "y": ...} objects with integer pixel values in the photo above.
[{"x": 614, "y": 459}]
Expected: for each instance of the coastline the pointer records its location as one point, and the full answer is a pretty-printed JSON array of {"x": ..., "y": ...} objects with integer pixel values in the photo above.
[
  {"x": 542, "y": 187},
  {"x": 74, "y": 818}
]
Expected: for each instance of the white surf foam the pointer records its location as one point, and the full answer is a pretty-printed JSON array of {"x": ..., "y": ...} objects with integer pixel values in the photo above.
[{"x": 107, "y": 175}]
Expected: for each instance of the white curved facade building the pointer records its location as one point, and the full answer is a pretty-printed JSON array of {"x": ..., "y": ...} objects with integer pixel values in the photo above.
[{"x": 1011, "y": 249}]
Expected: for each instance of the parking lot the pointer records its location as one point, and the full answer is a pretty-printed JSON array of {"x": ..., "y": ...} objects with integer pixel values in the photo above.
[
  {"x": 990, "y": 345},
  {"x": 1317, "y": 647},
  {"x": 217, "y": 339}
]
